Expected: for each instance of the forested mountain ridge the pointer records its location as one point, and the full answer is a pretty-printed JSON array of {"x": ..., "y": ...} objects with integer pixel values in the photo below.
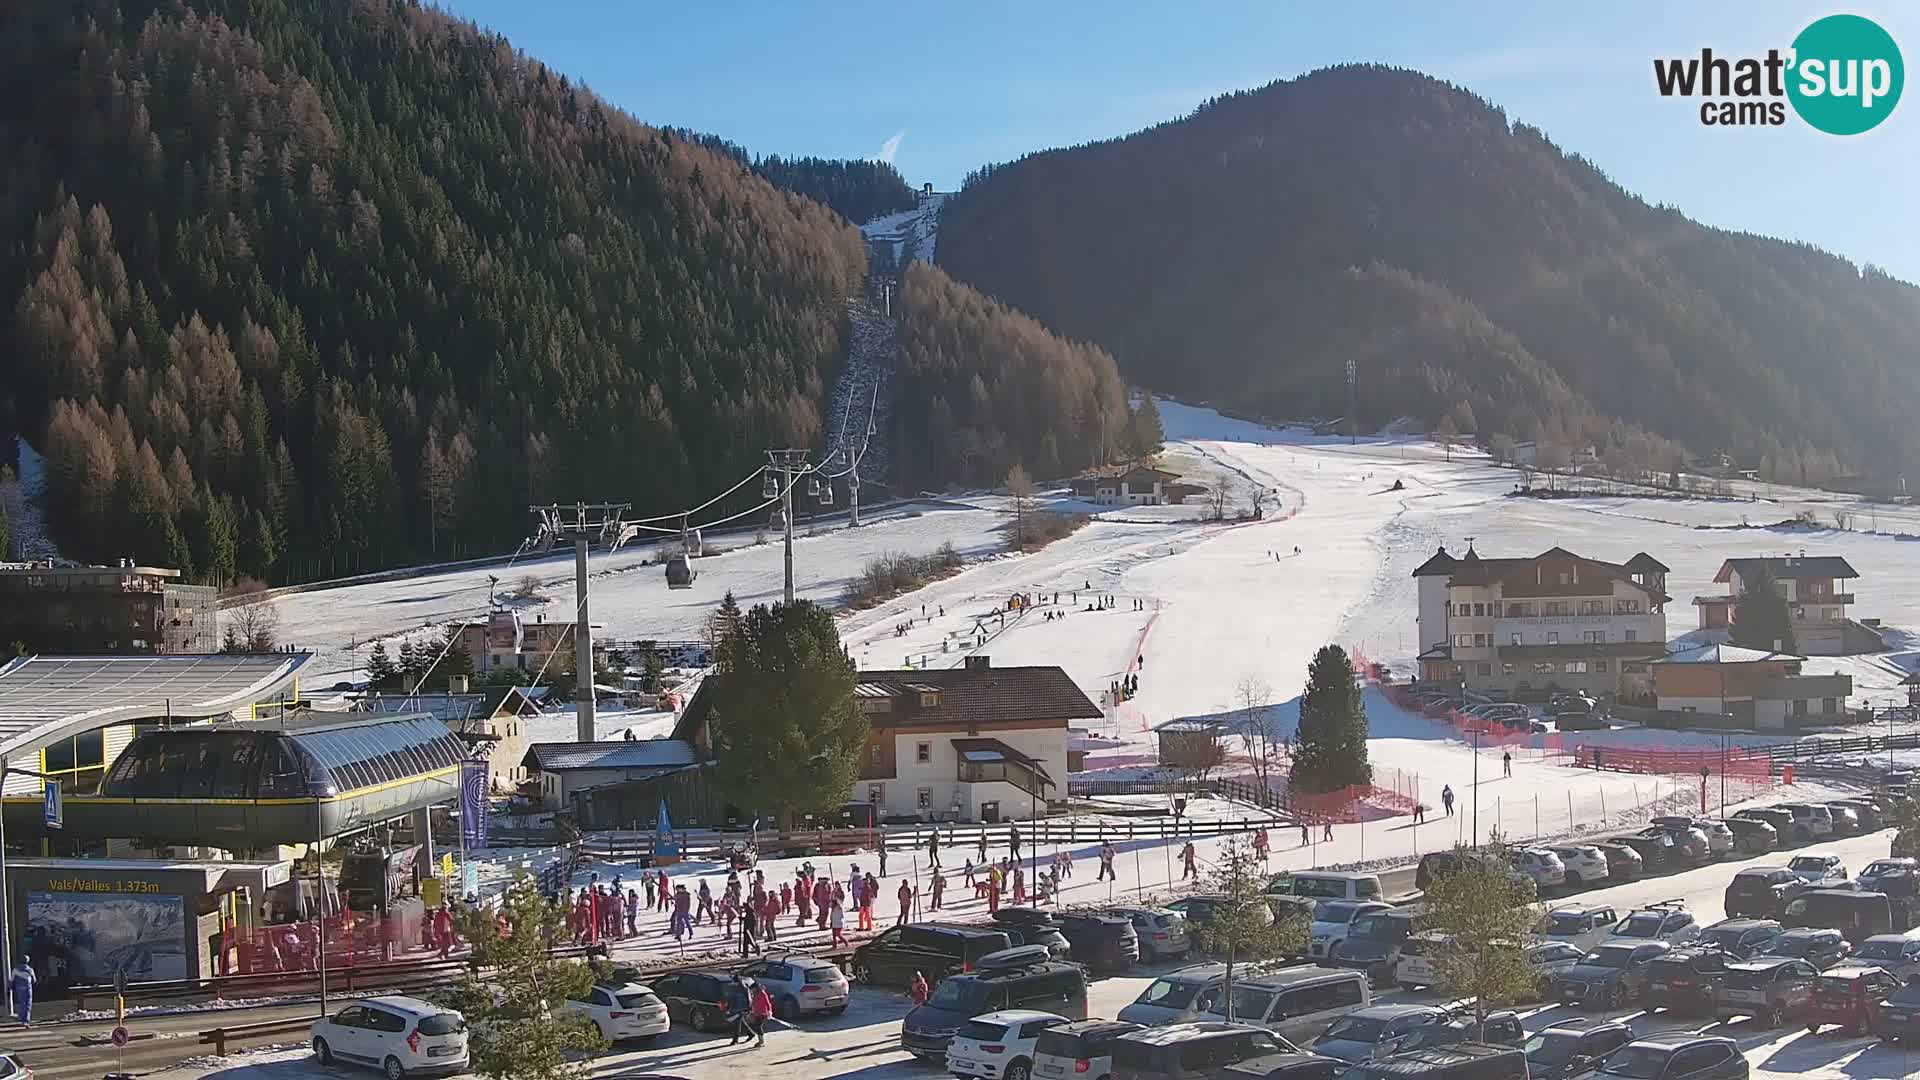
[
  {"x": 857, "y": 190},
  {"x": 1472, "y": 270},
  {"x": 292, "y": 287}
]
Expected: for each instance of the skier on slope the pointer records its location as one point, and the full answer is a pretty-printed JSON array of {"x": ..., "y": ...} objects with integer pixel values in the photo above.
[{"x": 1446, "y": 798}]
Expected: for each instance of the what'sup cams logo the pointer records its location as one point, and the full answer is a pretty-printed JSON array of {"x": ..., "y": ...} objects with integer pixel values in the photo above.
[{"x": 1842, "y": 75}]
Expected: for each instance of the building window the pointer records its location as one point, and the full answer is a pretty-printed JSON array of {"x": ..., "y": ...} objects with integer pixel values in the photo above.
[
  {"x": 876, "y": 795},
  {"x": 1565, "y": 578},
  {"x": 1632, "y": 635},
  {"x": 1829, "y": 705},
  {"x": 1479, "y": 609},
  {"x": 923, "y": 798},
  {"x": 873, "y": 753},
  {"x": 1506, "y": 669},
  {"x": 1633, "y": 667},
  {"x": 1593, "y": 607},
  {"x": 1544, "y": 667},
  {"x": 1576, "y": 667},
  {"x": 1556, "y": 607},
  {"x": 1593, "y": 637},
  {"x": 1799, "y": 706},
  {"x": 923, "y": 753},
  {"x": 1487, "y": 670},
  {"x": 1463, "y": 641},
  {"x": 1520, "y": 611},
  {"x": 1553, "y": 638},
  {"x": 1481, "y": 641},
  {"x": 1599, "y": 667},
  {"x": 1626, "y": 607},
  {"x": 1516, "y": 638}
]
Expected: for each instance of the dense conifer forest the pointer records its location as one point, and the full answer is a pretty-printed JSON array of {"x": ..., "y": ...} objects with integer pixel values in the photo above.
[{"x": 1477, "y": 275}]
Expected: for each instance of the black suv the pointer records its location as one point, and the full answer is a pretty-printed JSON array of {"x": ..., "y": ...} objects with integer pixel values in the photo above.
[
  {"x": 1197, "y": 1051},
  {"x": 1657, "y": 853},
  {"x": 1462, "y": 1061},
  {"x": 1031, "y": 926},
  {"x": 1102, "y": 942},
  {"x": 936, "y": 950},
  {"x": 1048, "y": 986},
  {"x": 1573, "y": 1047},
  {"x": 1781, "y": 820},
  {"x": 1684, "y": 980},
  {"x": 1762, "y": 892},
  {"x": 1817, "y": 946},
  {"x": 1679, "y": 1055}
]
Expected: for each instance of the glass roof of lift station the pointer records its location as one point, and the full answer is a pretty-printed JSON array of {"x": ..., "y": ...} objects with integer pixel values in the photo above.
[{"x": 302, "y": 756}]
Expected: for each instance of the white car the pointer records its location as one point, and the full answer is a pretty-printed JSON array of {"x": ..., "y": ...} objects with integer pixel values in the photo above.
[
  {"x": 1542, "y": 866},
  {"x": 1415, "y": 969},
  {"x": 1819, "y": 870},
  {"x": 400, "y": 1036},
  {"x": 1666, "y": 922},
  {"x": 1584, "y": 863},
  {"x": 999, "y": 1045},
  {"x": 1331, "y": 918},
  {"x": 624, "y": 1012},
  {"x": 1580, "y": 925},
  {"x": 800, "y": 984}
]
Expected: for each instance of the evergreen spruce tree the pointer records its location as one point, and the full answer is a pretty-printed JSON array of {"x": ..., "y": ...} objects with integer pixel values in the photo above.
[
  {"x": 1331, "y": 750},
  {"x": 381, "y": 673},
  {"x": 786, "y": 734},
  {"x": 409, "y": 662},
  {"x": 1762, "y": 620},
  {"x": 1145, "y": 436}
]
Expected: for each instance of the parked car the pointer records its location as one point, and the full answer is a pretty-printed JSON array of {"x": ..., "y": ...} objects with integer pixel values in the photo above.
[
  {"x": 1898, "y": 954},
  {"x": 800, "y": 985},
  {"x": 1580, "y": 925},
  {"x": 1331, "y": 920},
  {"x": 628, "y": 1011},
  {"x": 1684, "y": 980},
  {"x": 1199, "y": 908},
  {"x": 1375, "y": 1031},
  {"x": 1463, "y": 1061},
  {"x": 1571, "y": 1048},
  {"x": 1846, "y": 822},
  {"x": 1846, "y": 996},
  {"x": 1611, "y": 975},
  {"x": 1326, "y": 885},
  {"x": 1770, "y": 989},
  {"x": 1897, "y": 1018},
  {"x": 1819, "y": 869},
  {"x": 1856, "y": 915},
  {"x": 1868, "y": 811},
  {"x": 1032, "y": 926},
  {"x": 936, "y": 950},
  {"x": 1196, "y": 1051},
  {"x": 1080, "y": 1048},
  {"x": 1752, "y": 837},
  {"x": 1880, "y": 872},
  {"x": 1811, "y": 821},
  {"x": 1623, "y": 862},
  {"x": 400, "y": 1036},
  {"x": 1666, "y": 921},
  {"x": 1443, "y": 862},
  {"x": 1282, "y": 1067},
  {"x": 1160, "y": 933},
  {"x": 1780, "y": 820},
  {"x": 1416, "y": 969},
  {"x": 1048, "y": 986},
  {"x": 1503, "y": 1028},
  {"x": 1296, "y": 1003},
  {"x": 1818, "y": 946},
  {"x": 1657, "y": 852},
  {"x": 1102, "y": 942},
  {"x": 1548, "y": 959},
  {"x": 1541, "y": 865},
  {"x": 1373, "y": 944},
  {"x": 1763, "y": 891},
  {"x": 701, "y": 1000},
  {"x": 1677, "y": 1055},
  {"x": 1178, "y": 996},
  {"x": 1719, "y": 837},
  {"x": 1689, "y": 842},
  {"x": 1741, "y": 938},
  {"x": 999, "y": 1045},
  {"x": 1585, "y": 864}
]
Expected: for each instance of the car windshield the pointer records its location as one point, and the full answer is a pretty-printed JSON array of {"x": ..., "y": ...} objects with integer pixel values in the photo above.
[
  {"x": 1882, "y": 866},
  {"x": 959, "y": 995},
  {"x": 1639, "y": 926},
  {"x": 1808, "y": 862},
  {"x": 1563, "y": 923},
  {"x": 1636, "y": 1062},
  {"x": 1334, "y": 911},
  {"x": 1360, "y": 1029},
  {"x": 1615, "y": 957},
  {"x": 1878, "y": 950},
  {"x": 1165, "y": 993},
  {"x": 1551, "y": 1048}
]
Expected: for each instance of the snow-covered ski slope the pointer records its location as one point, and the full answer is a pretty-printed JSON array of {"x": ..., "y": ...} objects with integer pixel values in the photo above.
[{"x": 1219, "y": 602}]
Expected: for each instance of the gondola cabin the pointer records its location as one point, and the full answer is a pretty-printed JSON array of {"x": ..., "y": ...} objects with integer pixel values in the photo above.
[{"x": 680, "y": 573}]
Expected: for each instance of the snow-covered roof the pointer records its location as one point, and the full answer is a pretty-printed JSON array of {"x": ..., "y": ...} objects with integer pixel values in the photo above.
[
  {"x": 625, "y": 754},
  {"x": 1725, "y": 654}
]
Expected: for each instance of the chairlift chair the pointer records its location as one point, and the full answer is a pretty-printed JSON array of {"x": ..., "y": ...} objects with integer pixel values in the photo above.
[
  {"x": 826, "y": 494},
  {"x": 769, "y": 486},
  {"x": 813, "y": 486}
]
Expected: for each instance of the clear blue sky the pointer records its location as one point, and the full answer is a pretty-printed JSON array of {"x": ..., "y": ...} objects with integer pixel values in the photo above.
[{"x": 961, "y": 85}]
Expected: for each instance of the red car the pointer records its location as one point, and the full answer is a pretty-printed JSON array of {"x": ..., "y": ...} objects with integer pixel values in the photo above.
[{"x": 1847, "y": 997}]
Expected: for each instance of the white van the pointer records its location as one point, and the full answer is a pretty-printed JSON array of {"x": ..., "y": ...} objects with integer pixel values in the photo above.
[
  {"x": 1327, "y": 885},
  {"x": 1297, "y": 1004},
  {"x": 1415, "y": 969}
]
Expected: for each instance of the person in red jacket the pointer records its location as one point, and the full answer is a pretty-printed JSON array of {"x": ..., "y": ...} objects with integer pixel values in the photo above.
[{"x": 917, "y": 989}]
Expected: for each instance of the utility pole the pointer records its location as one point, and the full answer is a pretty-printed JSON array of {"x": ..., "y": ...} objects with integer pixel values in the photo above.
[
  {"x": 1353, "y": 421},
  {"x": 582, "y": 523}
]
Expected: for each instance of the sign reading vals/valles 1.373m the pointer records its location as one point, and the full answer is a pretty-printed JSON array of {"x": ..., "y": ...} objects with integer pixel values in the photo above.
[{"x": 1843, "y": 75}]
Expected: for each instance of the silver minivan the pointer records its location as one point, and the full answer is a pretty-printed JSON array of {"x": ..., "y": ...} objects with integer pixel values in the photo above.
[
  {"x": 1296, "y": 1004},
  {"x": 1178, "y": 996}
]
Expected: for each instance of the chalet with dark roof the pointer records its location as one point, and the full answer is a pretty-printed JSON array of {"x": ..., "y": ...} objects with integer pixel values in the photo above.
[
  {"x": 972, "y": 743},
  {"x": 1132, "y": 485},
  {"x": 1552, "y": 621},
  {"x": 1816, "y": 603}
]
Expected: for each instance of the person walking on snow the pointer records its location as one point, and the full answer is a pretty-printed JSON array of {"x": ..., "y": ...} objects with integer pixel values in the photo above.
[
  {"x": 1013, "y": 842},
  {"x": 983, "y": 845},
  {"x": 822, "y": 900},
  {"x": 837, "y": 918},
  {"x": 933, "y": 849},
  {"x": 706, "y": 904},
  {"x": 23, "y": 980},
  {"x": 1506, "y": 762},
  {"x": 905, "y": 894},
  {"x": 1326, "y": 830},
  {"x": 939, "y": 886},
  {"x": 967, "y": 874},
  {"x": 749, "y": 940},
  {"x": 1188, "y": 865},
  {"x": 1446, "y": 798},
  {"x": 883, "y": 856},
  {"x": 1106, "y": 862}
]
